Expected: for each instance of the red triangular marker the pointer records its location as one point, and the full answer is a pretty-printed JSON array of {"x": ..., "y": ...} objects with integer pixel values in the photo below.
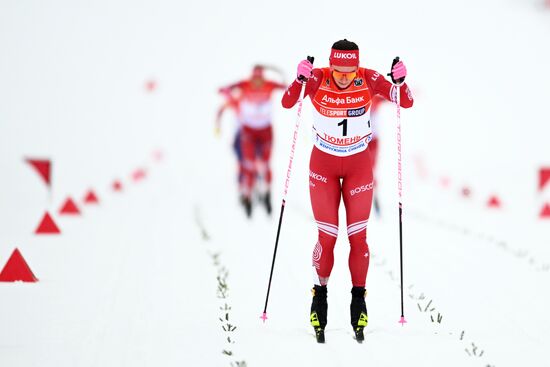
[
  {"x": 545, "y": 212},
  {"x": 139, "y": 174},
  {"x": 150, "y": 85},
  {"x": 16, "y": 269},
  {"x": 91, "y": 198},
  {"x": 117, "y": 186},
  {"x": 69, "y": 207},
  {"x": 544, "y": 177},
  {"x": 43, "y": 167},
  {"x": 158, "y": 155},
  {"x": 493, "y": 202},
  {"x": 47, "y": 226}
]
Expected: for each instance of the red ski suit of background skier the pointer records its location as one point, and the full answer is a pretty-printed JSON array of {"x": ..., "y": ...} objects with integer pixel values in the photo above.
[
  {"x": 340, "y": 163},
  {"x": 252, "y": 101}
]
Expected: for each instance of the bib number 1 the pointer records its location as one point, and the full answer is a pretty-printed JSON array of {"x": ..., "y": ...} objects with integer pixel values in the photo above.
[{"x": 344, "y": 124}]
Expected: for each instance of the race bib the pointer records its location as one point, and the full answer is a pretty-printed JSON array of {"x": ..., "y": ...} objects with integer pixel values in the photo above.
[{"x": 342, "y": 135}]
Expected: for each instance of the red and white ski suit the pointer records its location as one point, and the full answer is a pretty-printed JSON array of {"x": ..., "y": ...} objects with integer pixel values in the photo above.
[
  {"x": 254, "y": 117},
  {"x": 340, "y": 164}
]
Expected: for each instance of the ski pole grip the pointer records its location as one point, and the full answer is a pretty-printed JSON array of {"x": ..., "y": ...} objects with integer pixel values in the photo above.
[
  {"x": 310, "y": 59},
  {"x": 390, "y": 74},
  {"x": 395, "y": 61}
]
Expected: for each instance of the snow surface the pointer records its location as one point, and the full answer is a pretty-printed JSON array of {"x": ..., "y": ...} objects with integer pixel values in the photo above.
[{"x": 135, "y": 280}]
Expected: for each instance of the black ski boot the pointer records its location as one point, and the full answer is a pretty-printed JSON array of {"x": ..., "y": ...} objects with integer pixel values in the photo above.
[
  {"x": 358, "y": 312},
  {"x": 247, "y": 204},
  {"x": 318, "y": 315},
  {"x": 267, "y": 202},
  {"x": 376, "y": 205}
]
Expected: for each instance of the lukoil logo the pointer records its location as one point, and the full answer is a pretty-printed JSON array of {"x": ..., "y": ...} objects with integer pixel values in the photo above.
[
  {"x": 317, "y": 177},
  {"x": 344, "y": 55},
  {"x": 361, "y": 189}
]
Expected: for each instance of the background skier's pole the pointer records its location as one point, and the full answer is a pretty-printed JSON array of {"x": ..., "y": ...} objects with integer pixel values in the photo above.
[{"x": 287, "y": 181}]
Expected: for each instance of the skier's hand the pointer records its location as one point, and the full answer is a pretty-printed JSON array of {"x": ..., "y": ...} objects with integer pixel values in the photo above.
[
  {"x": 217, "y": 131},
  {"x": 225, "y": 91},
  {"x": 304, "y": 70},
  {"x": 398, "y": 71}
]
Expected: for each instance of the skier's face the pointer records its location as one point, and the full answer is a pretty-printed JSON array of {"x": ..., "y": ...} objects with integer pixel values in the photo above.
[
  {"x": 257, "y": 77},
  {"x": 257, "y": 81},
  {"x": 343, "y": 75}
]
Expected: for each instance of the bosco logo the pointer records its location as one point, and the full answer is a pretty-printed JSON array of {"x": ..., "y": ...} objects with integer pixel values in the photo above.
[{"x": 361, "y": 189}]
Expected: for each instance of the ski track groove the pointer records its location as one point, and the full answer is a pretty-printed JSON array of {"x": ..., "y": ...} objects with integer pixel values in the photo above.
[
  {"x": 421, "y": 298},
  {"x": 222, "y": 293},
  {"x": 520, "y": 254}
]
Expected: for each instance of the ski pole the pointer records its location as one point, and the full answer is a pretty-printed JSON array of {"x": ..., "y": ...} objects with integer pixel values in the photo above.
[
  {"x": 287, "y": 182},
  {"x": 402, "y": 320},
  {"x": 400, "y": 194}
]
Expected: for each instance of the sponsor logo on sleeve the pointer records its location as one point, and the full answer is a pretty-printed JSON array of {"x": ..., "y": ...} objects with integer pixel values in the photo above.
[{"x": 409, "y": 94}]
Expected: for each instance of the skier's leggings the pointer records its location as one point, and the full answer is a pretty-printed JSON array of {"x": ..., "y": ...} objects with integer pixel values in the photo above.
[
  {"x": 256, "y": 152},
  {"x": 331, "y": 178}
]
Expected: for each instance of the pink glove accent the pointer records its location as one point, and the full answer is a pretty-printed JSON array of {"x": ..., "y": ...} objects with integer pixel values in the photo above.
[
  {"x": 304, "y": 69},
  {"x": 225, "y": 91},
  {"x": 399, "y": 70}
]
